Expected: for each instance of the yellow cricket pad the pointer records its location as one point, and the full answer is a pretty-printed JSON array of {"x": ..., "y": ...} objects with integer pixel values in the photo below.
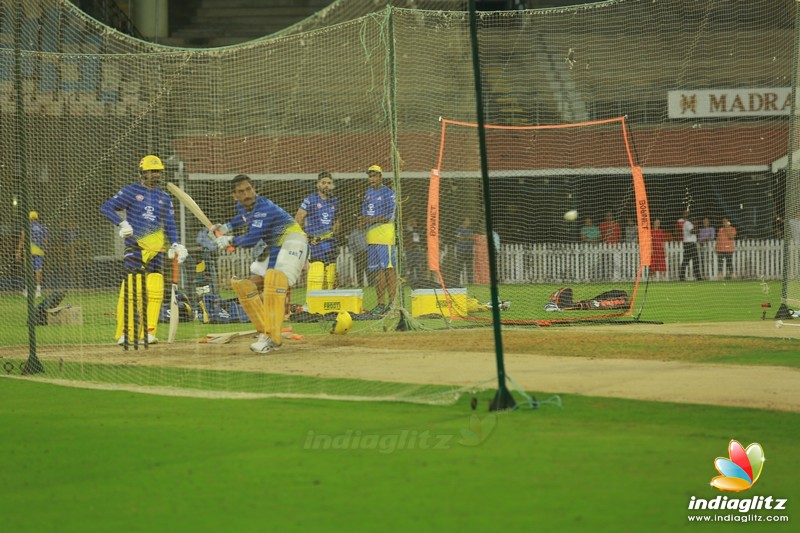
[
  {"x": 155, "y": 296},
  {"x": 316, "y": 276},
  {"x": 250, "y": 299},
  {"x": 275, "y": 286},
  {"x": 474, "y": 306},
  {"x": 330, "y": 276}
]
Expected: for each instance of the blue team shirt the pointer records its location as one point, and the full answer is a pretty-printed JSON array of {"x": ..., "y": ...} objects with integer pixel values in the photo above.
[
  {"x": 266, "y": 222},
  {"x": 379, "y": 202},
  {"x": 320, "y": 214},
  {"x": 38, "y": 234},
  {"x": 146, "y": 210}
]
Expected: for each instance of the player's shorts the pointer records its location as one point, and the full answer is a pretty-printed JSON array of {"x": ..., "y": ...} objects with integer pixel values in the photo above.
[
  {"x": 146, "y": 253},
  {"x": 324, "y": 251},
  {"x": 381, "y": 256},
  {"x": 38, "y": 262}
]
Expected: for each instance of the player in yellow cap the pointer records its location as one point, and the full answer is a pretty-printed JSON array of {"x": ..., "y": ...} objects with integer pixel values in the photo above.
[
  {"x": 148, "y": 226},
  {"x": 377, "y": 215},
  {"x": 38, "y": 243}
]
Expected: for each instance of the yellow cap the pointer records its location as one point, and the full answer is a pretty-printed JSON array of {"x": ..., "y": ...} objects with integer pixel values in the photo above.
[
  {"x": 150, "y": 162},
  {"x": 33, "y": 215},
  {"x": 375, "y": 168}
]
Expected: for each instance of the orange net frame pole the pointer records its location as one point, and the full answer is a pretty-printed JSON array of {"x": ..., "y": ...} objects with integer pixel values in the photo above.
[{"x": 640, "y": 196}]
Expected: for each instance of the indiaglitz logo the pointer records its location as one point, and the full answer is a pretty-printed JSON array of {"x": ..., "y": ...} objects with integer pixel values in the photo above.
[{"x": 741, "y": 469}]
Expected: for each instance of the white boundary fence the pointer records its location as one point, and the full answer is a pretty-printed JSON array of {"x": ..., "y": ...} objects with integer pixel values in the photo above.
[{"x": 579, "y": 262}]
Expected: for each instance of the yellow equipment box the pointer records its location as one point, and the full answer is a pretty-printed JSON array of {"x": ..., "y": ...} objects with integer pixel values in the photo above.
[
  {"x": 434, "y": 302},
  {"x": 333, "y": 301}
]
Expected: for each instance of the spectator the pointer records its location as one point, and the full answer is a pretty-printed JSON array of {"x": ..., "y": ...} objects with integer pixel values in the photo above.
[
  {"x": 610, "y": 230},
  {"x": 465, "y": 247},
  {"x": 631, "y": 231},
  {"x": 658, "y": 259},
  {"x": 726, "y": 248},
  {"x": 689, "y": 237},
  {"x": 415, "y": 251},
  {"x": 611, "y": 233},
  {"x": 705, "y": 242},
  {"x": 589, "y": 232},
  {"x": 357, "y": 243}
]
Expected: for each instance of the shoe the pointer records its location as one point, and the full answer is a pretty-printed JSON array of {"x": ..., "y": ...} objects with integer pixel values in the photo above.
[
  {"x": 151, "y": 339},
  {"x": 505, "y": 305},
  {"x": 262, "y": 345},
  {"x": 551, "y": 308},
  {"x": 379, "y": 309}
]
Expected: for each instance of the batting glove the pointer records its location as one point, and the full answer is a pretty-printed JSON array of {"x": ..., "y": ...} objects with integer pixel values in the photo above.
[
  {"x": 179, "y": 250},
  {"x": 224, "y": 229},
  {"x": 125, "y": 229},
  {"x": 223, "y": 242}
]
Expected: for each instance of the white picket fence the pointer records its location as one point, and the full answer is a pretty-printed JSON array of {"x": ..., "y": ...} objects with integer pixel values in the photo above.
[
  {"x": 557, "y": 263},
  {"x": 580, "y": 262}
]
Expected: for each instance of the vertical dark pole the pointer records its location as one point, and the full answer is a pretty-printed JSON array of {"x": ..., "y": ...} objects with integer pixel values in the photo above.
[
  {"x": 503, "y": 399},
  {"x": 391, "y": 96},
  {"x": 33, "y": 365},
  {"x": 126, "y": 295},
  {"x": 792, "y": 184}
]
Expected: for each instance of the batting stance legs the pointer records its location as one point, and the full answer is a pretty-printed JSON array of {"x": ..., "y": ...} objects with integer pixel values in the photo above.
[{"x": 267, "y": 312}]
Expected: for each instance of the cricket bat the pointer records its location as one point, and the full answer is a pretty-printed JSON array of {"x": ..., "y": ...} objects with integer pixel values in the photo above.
[
  {"x": 192, "y": 206},
  {"x": 225, "y": 338},
  {"x": 174, "y": 312}
]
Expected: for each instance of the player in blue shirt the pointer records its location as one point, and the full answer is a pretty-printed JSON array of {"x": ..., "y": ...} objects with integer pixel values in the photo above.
[
  {"x": 38, "y": 244},
  {"x": 377, "y": 214},
  {"x": 280, "y": 249},
  {"x": 317, "y": 216},
  {"x": 148, "y": 226}
]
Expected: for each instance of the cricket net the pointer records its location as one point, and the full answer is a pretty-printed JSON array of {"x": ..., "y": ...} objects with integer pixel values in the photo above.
[
  {"x": 702, "y": 86},
  {"x": 558, "y": 192}
]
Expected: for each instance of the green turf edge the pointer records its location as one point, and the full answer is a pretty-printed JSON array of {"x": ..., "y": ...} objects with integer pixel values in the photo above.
[{"x": 112, "y": 460}]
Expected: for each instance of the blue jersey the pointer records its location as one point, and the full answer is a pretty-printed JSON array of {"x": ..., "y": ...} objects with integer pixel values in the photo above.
[
  {"x": 146, "y": 210},
  {"x": 265, "y": 222},
  {"x": 38, "y": 235},
  {"x": 379, "y": 203},
  {"x": 320, "y": 215}
]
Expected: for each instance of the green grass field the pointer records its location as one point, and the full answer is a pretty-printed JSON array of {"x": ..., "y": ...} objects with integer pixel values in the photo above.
[
  {"x": 78, "y": 460},
  {"x": 670, "y": 302}
]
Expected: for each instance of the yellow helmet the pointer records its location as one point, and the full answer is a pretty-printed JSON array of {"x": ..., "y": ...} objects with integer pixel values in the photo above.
[
  {"x": 150, "y": 162},
  {"x": 33, "y": 215},
  {"x": 375, "y": 168},
  {"x": 342, "y": 324}
]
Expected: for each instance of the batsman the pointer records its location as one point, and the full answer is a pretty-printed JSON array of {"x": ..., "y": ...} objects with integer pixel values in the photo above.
[
  {"x": 280, "y": 249},
  {"x": 148, "y": 225}
]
